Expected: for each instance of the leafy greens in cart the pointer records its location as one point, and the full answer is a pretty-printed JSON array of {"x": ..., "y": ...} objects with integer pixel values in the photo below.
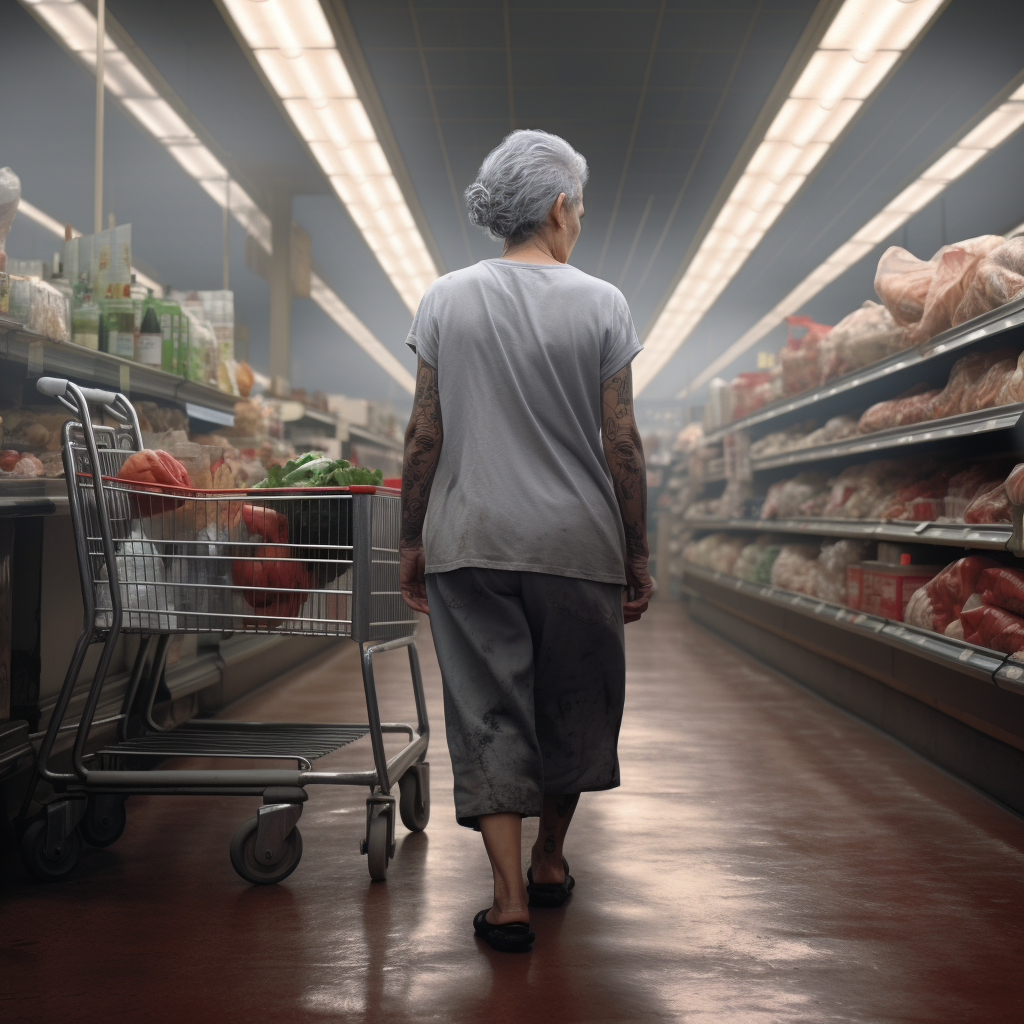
[{"x": 314, "y": 469}]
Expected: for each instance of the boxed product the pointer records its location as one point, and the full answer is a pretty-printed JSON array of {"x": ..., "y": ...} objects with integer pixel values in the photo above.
[
  {"x": 855, "y": 587},
  {"x": 887, "y": 589}
]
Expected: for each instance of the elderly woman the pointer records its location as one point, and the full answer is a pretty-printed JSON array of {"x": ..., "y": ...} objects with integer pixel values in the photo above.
[{"x": 524, "y": 508}]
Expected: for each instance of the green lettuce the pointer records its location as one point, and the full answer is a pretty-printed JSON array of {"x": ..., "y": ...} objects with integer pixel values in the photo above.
[{"x": 314, "y": 469}]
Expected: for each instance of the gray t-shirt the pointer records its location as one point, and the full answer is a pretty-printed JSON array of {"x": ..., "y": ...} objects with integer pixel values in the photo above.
[{"x": 522, "y": 482}]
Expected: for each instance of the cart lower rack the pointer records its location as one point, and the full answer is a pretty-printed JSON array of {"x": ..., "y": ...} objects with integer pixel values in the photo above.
[{"x": 163, "y": 560}]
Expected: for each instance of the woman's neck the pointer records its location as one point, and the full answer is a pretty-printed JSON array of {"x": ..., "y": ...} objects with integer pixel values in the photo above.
[{"x": 534, "y": 250}]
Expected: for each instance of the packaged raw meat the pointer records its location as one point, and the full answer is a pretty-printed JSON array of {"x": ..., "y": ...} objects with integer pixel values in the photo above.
[
  {"x": 745, "y": 399},
  {"x": 990, "y": 507},
  {"x": 998, "y": 278},
  {"x": 939, "y": 602},
  {"x": 954, "y": 271},
  {"x": 989, "y": 390},
  {"x": 836, "y": 429},
  {"x": 785, "y": 498},
  {"x": 995, "y": 628},
  {"x": 799, "y": 356},
  {"x": 1003, "y": 587},
  {"x": 1015, "y": 484},
  {"x": 902, "y": 282},
  {"x": 913, "y": 406},
  {"x": 863, "y": 337},
  {"x": 966, "y": 374},
  {"x": 832, "y": 564},
  {"x": 1013, "y": 390},
  {"x": 796, "y": 568},
  {"x": 907, "y": 497}
]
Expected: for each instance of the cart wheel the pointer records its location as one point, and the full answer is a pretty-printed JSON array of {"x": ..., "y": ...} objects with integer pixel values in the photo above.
[
  {"x": 377, "y": 852},
  {"x": 243, "y": 856},
  {"x": 414, "y": 805},
  {"x": 104, "y": 819},
  {"x": 43, "y": 867}
]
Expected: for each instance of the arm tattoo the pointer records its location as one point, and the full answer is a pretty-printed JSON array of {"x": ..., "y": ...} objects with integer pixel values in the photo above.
[
  {"x": 423, "y": 439},
  {"x": 625, "y": 454}
]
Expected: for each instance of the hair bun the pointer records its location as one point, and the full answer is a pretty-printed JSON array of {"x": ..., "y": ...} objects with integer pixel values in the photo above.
[{"x": 478, "y": 199}]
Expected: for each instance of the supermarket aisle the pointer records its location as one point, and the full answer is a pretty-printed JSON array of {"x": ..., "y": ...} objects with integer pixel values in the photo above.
[{"x": 768, "y": 858}]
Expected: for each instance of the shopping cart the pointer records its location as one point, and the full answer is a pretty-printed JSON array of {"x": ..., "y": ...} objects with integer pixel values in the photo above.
[{"x": 162, "y": 561}]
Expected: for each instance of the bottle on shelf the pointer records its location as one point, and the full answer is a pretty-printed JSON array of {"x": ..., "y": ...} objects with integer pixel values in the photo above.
[
  {"x": 119, "y": 327},
  {"x": 150, "y": 348},
  {"x": 85, "y": 320}
]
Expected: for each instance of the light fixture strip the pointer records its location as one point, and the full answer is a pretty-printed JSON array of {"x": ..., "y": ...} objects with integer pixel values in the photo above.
[
  {"x": 74, "y": 25},
  {"x": 863, "y": 43},
  {"x": 296, "y": 51},
  {"x": 957, "y": 160}
]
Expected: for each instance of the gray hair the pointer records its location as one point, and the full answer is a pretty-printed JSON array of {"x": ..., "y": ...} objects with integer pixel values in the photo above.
[{"x": 519, "y": 181}]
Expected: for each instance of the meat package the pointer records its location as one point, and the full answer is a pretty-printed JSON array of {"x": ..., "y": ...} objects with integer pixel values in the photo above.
[
  {"x": 865, "y": 336},
  {"x": 938, "y": 603},
  {"x": 799, "y": 356}
]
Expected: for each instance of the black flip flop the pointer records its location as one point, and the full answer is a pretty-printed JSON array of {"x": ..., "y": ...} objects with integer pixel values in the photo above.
[
  {"x": 550, "y": 894},
  {"x": 515, "y": 937}
]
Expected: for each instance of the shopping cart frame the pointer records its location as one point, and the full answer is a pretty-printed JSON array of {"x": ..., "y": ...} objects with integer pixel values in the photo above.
[{"x": 88, "y": 801}]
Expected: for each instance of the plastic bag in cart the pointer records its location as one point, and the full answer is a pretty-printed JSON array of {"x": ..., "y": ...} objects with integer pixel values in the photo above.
[{"x": 142, "y": 580}]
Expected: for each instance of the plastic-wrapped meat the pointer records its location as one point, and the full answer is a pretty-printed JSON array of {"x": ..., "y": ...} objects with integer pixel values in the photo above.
[
  {"x": 836, "y": 429},
  {"x": 990, "y": 507},
  {"x": 968, "y": 483},
  {"x": 830, "y": 584},
  {"x": 796, "y": 568},
  {"x": 935, "y": 486},
  {"x": 989, "y": 391},
  {"x": 999, "y": 277},
  {"x": 865, "y": 336},
  {"x": 1003, "y": 587},
  {"x": 995, "y": 628},
  {"x": 902, "y": 282},
  {"x": 785, "y": 498},
  {"x": 745, "y": 398},
  {"x": 965, "y": 376},
  {"x": 954, "y": 271},
  {"x": 799, "y": 356},
  {"x": 913, "y": 406},
  {"x": 1015, "y": 484},
  {"x": 1013, "y": 390},
  {"x": 939, "y": 602}
]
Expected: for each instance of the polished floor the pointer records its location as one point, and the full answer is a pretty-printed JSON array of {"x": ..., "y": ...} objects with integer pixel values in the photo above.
[{"x": 767, "y": 858}]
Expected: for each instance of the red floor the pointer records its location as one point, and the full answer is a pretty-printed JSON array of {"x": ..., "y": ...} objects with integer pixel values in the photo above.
[{"x": 767, "y": 859}]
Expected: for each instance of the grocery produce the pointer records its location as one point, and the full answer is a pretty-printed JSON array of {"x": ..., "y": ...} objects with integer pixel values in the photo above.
[
  {"x": 152, "y": 470},
  {"x": 316, "y": 470}
]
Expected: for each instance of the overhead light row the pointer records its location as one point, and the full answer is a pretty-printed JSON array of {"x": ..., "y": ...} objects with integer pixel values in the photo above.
[
  {"x": 295, "y": 47},
  {"x": 863, "y": 43},
  {"x": 55, "y": 226},
  {"x": 991, "y": 132},
  {"x": 75, "y": 26}
]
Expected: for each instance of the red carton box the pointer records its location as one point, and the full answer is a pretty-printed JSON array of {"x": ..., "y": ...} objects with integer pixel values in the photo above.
[
  {"x": 855, "y": 587},
  {"x": 886, "y": 589}
]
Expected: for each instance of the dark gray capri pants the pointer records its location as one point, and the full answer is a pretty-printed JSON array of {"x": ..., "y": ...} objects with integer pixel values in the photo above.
[{"x": 534, "y": 674}]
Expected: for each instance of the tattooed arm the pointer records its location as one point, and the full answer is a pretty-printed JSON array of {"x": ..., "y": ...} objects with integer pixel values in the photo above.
[
  {"x": 625, "y": 455},
  {"x": 423, "y": 439}
]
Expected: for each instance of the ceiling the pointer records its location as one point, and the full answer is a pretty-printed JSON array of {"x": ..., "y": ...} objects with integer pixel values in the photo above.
[{"x": 658, "y": 96}]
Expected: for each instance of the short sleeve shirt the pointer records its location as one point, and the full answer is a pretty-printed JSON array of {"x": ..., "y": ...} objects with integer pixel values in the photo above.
[{"x": 522, "y": 483}]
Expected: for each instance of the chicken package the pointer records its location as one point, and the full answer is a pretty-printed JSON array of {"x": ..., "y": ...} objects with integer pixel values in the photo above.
[
  {"x": 799, "y": 356},
  {"x": 1013, "y": 389},
  {"x": 991, "y": 389},
  {"x": 964, "y": 379},
  {"x": 863, "y": 337},
  {"x": 998, "y": 279},
  {"x": 919, "y": 492},
  {"x": 1015, "y": 484},
  {"x": 779, "y": 441},
  {"x": 902, "y": 282},
  {"x": 992, "y": 506},
  {"x": 967, "y": 485},
  {"x": 785, "y": 498},
  {"x": 836, "y": 429},
  {"x": 940, "y": 601},
  {"x": 1003, "y": 587},
  {"x": 745, "y": 398},
  {"x": 955, "y": 267},
  {"x": 830, "y": 584},
  {"x": 995, "y": 628},
  {"x": 913, "y": 406},
  {"x": 796, "y": 568}
]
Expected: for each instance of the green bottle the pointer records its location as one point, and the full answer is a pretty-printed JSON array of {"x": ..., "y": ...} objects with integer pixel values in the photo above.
[{"x": 119, "y": 323}]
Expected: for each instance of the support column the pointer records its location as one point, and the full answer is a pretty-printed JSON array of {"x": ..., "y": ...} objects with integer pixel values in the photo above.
[{"x": 280, "y": 290}]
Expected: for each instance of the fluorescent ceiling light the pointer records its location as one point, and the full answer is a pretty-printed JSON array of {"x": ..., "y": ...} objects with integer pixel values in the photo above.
[
  {"x": 75, "y": 26},
  {"x": 976, "y": 144},
  {"x": 55, "y": 226},
  {"x": 295, "y": 47},
  {"x": 863, "y": 43}
]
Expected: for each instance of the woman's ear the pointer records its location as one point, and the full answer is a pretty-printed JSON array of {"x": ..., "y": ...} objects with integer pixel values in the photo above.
[{"x": 557, "y": 214}]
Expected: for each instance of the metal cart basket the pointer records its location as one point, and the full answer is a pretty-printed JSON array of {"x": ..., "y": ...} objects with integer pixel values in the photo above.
[{"x": 158, "y": 561}]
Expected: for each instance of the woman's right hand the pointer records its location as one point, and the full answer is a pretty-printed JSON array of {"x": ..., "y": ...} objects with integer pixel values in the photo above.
[
  {"x": 637, "y": 594},
  {"x": 411, "y": 576}
]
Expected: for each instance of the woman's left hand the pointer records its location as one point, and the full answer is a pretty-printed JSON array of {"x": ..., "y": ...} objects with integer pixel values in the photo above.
[{"x": 411, "y": 576}]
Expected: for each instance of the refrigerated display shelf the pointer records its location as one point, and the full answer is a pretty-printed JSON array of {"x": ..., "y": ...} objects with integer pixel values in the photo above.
[
  {"x": 1006, "y": 318},
  {"x": 979, "y": 662},
  {"x": 43, "y": 357},
  {"x": 968, "y": 424},
  {"x": 958, "y": 535}
]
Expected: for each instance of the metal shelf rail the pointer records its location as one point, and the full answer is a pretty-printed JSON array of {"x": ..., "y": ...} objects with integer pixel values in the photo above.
[
  {"x": 993, "y": 537},
  {"x": 998, "y": 321},
  {"x": 980, "y": 663}
]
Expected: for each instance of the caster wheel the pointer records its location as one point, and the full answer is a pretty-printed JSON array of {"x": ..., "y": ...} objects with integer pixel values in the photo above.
[
  {"x": 246, "y": 863},
  {"x": 104, "y": 819},
  {"x": 378, "y": 843},
  {"x": 414, "y": 805},
  {"x": 42, "y": 866}
]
